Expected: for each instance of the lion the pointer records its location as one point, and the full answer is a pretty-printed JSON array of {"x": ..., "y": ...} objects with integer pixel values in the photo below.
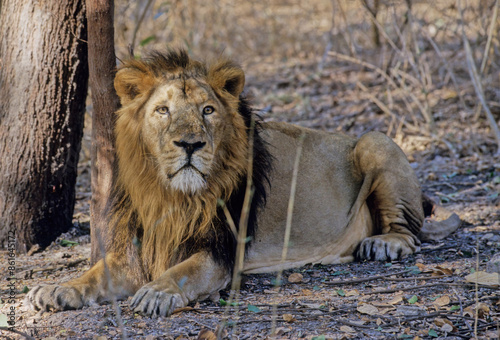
[{"x": 187, "y": 145}]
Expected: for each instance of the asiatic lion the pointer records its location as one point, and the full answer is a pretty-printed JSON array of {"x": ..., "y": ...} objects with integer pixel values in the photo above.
[{"x": 183, "y": 135}]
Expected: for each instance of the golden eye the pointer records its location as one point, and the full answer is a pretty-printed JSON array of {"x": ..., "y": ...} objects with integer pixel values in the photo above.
[
  {"x": 207, "y": 110},
  {"x": 163, "y": 110}
]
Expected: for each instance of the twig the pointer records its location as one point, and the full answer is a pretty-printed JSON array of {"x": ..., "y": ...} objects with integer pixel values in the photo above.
[
  {"x": 54, "y": 268},
  {"x": 377, "y": 102},
  {"x": 476, "y": 81},
  {"x": 490, "y": 36},
  {"x": 139, "y": 22},
  {"x": 447, "y": 196},
  {"x": 111, "y": 289},
  {"x": 449, "y": 284},
  {"x": 352, "y": 47},
  {"x": 289, "y": 215},
  {"x": 366, "y": 279},
  {"x": 388, "y": 291},
  {"x": 461, "y": 309},
  {"x": 417, "y": 278},
  {"x": 242, "y": 231},
  {"x": 353, "y": 324},
  {"x": 17, "y": 332},
  {"x": 476, "y": 289},
  {"x": 447, "y": 65},
  {"x": 412, "y": 318},
  {"x": 384, "y": 75}
]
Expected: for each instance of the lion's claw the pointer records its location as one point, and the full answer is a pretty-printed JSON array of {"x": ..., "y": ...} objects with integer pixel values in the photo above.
[
  {"x": 382, "y": 248},
  {"x": 54, "y": 297},
  {"x": 150, "y": 301}
]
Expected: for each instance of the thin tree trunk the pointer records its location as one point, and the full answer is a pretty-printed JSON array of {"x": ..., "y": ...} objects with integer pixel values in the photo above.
[
  {"x": 43, "y": 86},
  {"x": 102, "y": 65}
]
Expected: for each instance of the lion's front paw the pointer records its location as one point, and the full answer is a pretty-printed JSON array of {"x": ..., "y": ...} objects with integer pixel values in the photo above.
[
  {"x": 150, "y": 300},
  {"x": 387, "y": 247},
  {"x": 54, "y": 297}
]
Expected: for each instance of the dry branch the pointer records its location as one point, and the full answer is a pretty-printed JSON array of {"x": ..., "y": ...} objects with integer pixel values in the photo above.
[
  {"x": 365, "y": 279},
  {"x": 476, "y": 82},
  {"x": 26, "y": 336}
]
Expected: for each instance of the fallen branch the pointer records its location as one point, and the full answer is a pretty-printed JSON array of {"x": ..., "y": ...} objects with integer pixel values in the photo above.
[
  {"x": 449, "y": 284},
  {"x": 26, "y": 336},
  {"x": 365, "y": 279}
]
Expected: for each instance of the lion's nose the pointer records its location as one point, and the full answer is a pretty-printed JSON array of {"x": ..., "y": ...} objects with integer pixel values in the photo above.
[{"x": 189, "y": 147}]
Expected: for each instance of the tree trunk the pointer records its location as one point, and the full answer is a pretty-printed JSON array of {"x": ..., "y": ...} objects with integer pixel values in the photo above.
[
  {"x": 102, "y": 66},
  {"x": 43, "y": 86}
]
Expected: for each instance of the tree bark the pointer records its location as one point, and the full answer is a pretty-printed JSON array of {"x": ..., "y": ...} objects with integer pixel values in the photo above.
[
  {"x": 102, "y": 65},
  {"x": 43, "y": 86}
]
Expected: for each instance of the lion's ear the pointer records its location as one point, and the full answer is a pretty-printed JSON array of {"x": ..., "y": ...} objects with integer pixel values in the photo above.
[
  {"x": 130, "y": 82},
  {"x": 227, "y": 76}
]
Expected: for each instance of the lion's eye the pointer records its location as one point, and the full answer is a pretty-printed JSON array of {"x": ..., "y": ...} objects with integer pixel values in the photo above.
[
  {"x": 163, "y": 110},
  {"x": 207, "y": 110}
]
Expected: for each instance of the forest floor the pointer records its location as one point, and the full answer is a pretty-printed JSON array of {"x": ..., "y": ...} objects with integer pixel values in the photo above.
[{"x": 426, "y": 295}]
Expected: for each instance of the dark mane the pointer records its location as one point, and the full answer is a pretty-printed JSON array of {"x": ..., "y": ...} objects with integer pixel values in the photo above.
[{"x": 224, "y": 250}]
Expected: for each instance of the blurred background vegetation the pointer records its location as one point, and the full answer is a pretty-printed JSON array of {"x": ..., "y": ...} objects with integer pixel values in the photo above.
[{"x": 400, "y": 67}]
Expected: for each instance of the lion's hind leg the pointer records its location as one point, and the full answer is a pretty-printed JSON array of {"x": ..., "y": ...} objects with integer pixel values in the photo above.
[{"x": 392, "y": 192}]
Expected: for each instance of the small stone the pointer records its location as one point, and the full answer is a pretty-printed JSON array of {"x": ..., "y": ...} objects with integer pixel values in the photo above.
[
  {"x": 295, "y": 278},
  {"x": 493, "y": 266}
]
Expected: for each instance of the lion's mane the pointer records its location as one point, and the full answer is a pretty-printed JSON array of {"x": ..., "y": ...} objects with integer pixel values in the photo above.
[{"x": 156, "y": 228}]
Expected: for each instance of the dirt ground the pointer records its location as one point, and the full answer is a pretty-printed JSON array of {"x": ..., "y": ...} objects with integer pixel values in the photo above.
[{"x": 424, "y": 296}]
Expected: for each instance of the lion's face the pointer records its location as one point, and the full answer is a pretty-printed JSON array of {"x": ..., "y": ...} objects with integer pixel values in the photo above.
[
  {"x": 184, "y": 126},
  {"x": 179, "y": 123}
]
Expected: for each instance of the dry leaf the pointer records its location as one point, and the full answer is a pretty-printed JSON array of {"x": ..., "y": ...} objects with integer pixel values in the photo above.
[
  {"x": 281, "y": 331},
  {"x": 442, "y": 301},
  {"x": 295, "y": 278},
  {"x": 395, "y": 300},
  {"x": 310, "y": 304},
  {"x": 484, "y": 278},
  {"x": 353, "y": 292},
  {"x": 421, "y": 267},
  {"x": 306, "y": 292},
  {"x": 379, "y": 321},
  {"x": 482, "y": 310},
  {"x": 383, "y": 311},
  {"x": 347, "y": 329},
  {"x": 206, "y": 334},
  {"x": 289, "y": 318},
  {"x": 440, "y": 271},
  {"x": 366, "y": 308},
  {"x": 442, "y": 321}
]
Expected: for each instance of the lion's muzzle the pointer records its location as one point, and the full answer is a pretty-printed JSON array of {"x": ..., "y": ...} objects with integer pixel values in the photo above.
[
  {"x": 190, "y": 147},
  {"x": 189, "y": 178}
]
